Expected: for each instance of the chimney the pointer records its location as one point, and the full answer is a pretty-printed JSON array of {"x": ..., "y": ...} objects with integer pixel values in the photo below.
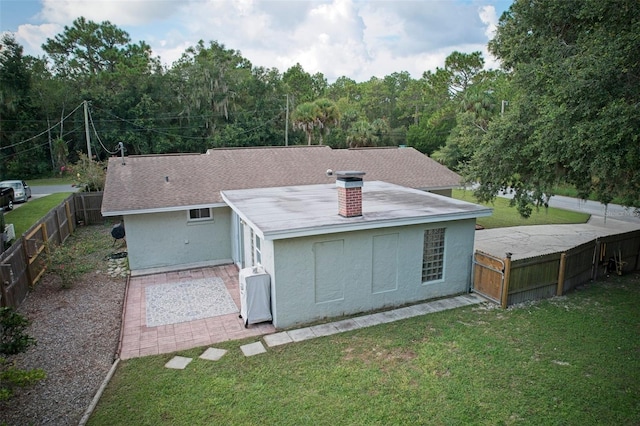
[{"x": 349, "y": 185}]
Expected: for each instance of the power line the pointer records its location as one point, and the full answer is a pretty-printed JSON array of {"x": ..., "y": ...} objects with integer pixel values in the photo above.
[{"x": 42, "y": 133}]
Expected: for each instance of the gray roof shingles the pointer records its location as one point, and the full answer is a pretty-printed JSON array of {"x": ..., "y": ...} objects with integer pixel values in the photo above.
[{"x": 141, "y": 184}]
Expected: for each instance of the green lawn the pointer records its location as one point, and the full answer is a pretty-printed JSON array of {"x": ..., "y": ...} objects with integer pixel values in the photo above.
[
  {"x": 66, "y": 180},
  {"x": 30, "y": 212},
  {"x": 572, "y": 360},
  {"x": 504, "y": 215}
]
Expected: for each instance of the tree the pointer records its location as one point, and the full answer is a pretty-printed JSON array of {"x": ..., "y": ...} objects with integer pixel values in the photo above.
[
  {"x": 575, "y": 118},
  {"x": 88, "y": 48},
  {"x": 328, "y": 116},
  {"x": 306, "y": 117}
]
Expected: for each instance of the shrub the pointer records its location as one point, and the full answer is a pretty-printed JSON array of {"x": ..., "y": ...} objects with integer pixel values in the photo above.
[
  {"x": 12, "y": 377},
  {"x": 13, "y": 338},
  {"x": 62, "y": 262}
]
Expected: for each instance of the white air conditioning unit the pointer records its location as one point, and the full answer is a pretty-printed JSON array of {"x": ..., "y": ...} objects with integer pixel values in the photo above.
[{"x": 10, "y": 231}]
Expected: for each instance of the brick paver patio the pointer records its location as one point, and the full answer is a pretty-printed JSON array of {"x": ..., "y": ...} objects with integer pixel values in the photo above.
[{"x": 139, "y": 340}]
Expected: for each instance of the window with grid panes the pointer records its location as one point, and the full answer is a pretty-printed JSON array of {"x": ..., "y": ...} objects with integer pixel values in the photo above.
[
  {"x": 200, "y": 214},
  {"x": 433, "y": 255}
]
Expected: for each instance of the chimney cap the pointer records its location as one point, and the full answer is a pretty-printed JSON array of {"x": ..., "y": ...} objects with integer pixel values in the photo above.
[{"x": 349, "y": 174}]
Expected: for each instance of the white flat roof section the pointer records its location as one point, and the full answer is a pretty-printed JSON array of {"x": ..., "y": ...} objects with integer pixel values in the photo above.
[{"x": 296, "y": 211}]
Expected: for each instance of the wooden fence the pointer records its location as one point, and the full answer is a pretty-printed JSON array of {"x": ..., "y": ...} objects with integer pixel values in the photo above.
[
  {"x": 556, "y": 273},
  {"x": 24, "y": 263}
]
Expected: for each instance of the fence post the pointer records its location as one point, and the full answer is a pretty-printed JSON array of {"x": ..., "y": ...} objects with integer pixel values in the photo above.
[
  {"x": 561, "y": 271},
  {"x": 504, "y": 300},
  {"x": 596, "y": 256},
  {"x": 25, "y": 251},
  {"x": 69, "y": 220},
  {"x": 3, "y": 288}
]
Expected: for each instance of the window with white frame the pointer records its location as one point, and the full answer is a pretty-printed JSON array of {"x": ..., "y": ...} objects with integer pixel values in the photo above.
[
  {"x": 196, "y": 215},
  {"x": 258, "y": 247},
  {"x": 433, "y": 255}
]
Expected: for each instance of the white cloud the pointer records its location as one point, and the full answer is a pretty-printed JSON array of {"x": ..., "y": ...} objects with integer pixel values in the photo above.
[
  {"x": 354, "y": 38},
  {"x": 31, "y": 37},
  {"x": 489, "y": 17},
  {"x": 119, "y": 12}
]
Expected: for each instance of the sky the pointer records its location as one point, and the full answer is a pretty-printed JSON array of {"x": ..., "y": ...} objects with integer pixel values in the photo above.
[{"x": 358, "y": 39}]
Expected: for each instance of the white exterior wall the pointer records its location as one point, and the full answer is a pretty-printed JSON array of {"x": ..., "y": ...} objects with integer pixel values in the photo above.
[
  {"x": 339, "y": 274},
  {"x": 169, "y": 240}
]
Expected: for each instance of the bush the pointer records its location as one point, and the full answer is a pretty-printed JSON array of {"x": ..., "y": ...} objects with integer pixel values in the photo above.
[
  {"x": 12, "y": 377},
  {"x": 13, "y": 338}
]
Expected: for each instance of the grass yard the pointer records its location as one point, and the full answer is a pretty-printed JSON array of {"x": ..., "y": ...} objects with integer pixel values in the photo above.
[
  {"x": 64, "y": 180},
  {"x": 30, "y": 212},
  {"x": 573, "y": 360},
  {"x": 504, "y": 215}
]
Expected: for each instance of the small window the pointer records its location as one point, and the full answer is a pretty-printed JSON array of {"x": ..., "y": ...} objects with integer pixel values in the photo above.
[
  {"x": 200, "y": 214},
  {"x": 433, "y": 255}
]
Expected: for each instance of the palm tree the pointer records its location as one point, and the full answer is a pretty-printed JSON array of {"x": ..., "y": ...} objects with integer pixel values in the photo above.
[
  {"x": 306, "y": 117},
  {"x": 329, "y": 116},
  {"x": 362, "y": 133}
]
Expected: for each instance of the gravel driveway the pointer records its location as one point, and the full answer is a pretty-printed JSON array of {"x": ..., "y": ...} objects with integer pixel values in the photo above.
[{"x": 77, "y": 331}]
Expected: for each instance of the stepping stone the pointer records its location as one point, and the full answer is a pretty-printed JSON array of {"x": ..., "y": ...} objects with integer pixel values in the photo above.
[
  {"x": 253, "y": 349},
  {"x": 301, "y": 334},
  {"x": 213, "y": 354},
  {"x": 178, "y": 362},
  {"x": 277, "y": 339},
  {"x": 324, "y": 330}
]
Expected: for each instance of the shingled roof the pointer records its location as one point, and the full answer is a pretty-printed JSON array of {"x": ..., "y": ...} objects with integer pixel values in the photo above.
[{"x": 157, "y": 183}]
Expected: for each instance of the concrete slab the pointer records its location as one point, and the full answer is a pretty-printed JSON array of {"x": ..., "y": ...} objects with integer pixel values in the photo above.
[
  {"x": 277, "y": 339},
  {"x": 252, "y": 349},
  {"x": 301, "y": 334},
  {"x": 213, "y": 354},
  {"x": 346, "y": 325},
  {"x": 423, "y": 308},
  {"x": 368, "y": 320},
  {"x": 178, "y": 362},
  {"x": 535, "y": 240},
  {"x": 404, "y": 313},
  {"x": 324, "y": 329},
  {"x": 442, "y": 305}
]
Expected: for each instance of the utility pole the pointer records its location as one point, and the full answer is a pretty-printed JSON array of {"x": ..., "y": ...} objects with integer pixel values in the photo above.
[
  {"x": 86, "y": 128},
  {"x": 53, "y": 164},
  {"x": 503, "y": 105},
  {"x": 286, "y": 125},
  {"x": 121, "y": 145}
]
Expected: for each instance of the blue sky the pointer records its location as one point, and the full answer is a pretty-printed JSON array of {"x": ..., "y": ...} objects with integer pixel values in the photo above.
[{"x": 354, "y": 38}]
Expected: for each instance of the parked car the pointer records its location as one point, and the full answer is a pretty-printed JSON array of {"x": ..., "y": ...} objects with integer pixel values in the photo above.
[
  {"x": 6, "y": 198},
  {"x": 21, "y": 191}
]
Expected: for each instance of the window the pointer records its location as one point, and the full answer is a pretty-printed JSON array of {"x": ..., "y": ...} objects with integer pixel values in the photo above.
[
  {"x": 433, "y": 255},
  {"x": 200, "y": 214},
  {"x": 258, "y": 251}
]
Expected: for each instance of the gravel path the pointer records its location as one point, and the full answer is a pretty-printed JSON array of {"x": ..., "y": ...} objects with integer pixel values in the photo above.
[{"x": 77, "y": 331}]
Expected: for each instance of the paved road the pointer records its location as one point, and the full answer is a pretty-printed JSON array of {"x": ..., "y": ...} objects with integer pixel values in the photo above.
[
  {"x": 40, "y": 191},
  {"x": 613, "y": 211},
  {"x": 594, "y": 208}
]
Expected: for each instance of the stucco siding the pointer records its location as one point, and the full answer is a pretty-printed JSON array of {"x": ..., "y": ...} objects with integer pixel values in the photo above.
[
  {"x": 352, "y": 272},
  {"x": 166, "y": 240}
]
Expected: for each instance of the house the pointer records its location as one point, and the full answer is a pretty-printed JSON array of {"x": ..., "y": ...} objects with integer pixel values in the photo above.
[{"x": 279, "y": 207}]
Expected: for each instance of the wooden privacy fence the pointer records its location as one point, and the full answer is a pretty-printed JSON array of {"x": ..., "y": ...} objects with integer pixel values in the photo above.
[
  {"x": 22, "y": 265},
  {"x": 508, "y": 281}
]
